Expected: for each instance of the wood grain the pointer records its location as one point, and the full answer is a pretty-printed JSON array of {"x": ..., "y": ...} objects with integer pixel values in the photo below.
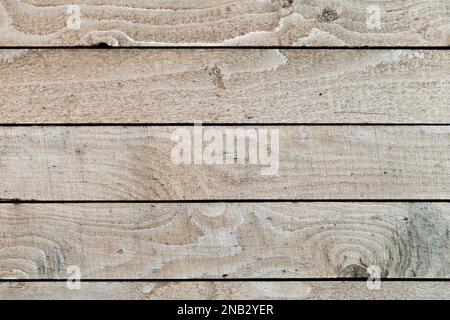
[
  {"x": 232, "y": 240},
  {"x": 225, "y": 290},
  {"x": 135, "y": 163},
  {"x": 225, "y": 23},
  {"x": 223, "y": 86}
]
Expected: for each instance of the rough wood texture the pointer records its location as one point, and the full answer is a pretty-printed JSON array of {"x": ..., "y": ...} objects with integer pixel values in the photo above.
[
  {"x": 226, "y": 290},
  {"x": 251, "y": 86},
  {"x": 234, "y": 240},
  {"x": 224, "y": 22},
  {"x": 135, "y": 163}
]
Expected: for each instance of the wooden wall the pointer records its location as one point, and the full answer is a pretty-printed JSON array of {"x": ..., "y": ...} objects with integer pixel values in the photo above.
[{"x": 357, "y": 94}]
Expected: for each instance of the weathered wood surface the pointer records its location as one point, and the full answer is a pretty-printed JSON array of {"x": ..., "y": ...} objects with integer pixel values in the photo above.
[
  {"x": 233, "y": 240},
  {"x": 224, "y": 22},
  {"x": 251, "y": 86},
  {"x": 136, "y": 163},
  {"x": 227, "y": 290}
]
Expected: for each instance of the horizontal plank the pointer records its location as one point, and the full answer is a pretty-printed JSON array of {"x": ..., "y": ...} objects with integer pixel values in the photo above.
[
  {"x": 224, "y": 86},
  {"x": 232, "y": 240},
  {"x": 224, "y": 22},
  {"x": 336, "y": 290},
  {"x": 303, "y": 162}
]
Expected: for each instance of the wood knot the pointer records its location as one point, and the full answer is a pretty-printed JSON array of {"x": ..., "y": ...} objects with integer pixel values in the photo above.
[
  {"x": 216, "y": 72},
  {"x": 284, "y": 3},
  {"x": 354, "y": 271},
  {"x": 328, "y": 15}
]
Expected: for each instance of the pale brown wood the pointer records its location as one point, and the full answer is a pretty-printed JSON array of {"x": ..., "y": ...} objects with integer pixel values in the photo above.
[
  {"x": 227, "y": 290},
  {"x": 224, "y": 22},
  {"x": 136, "y": 163},
  {"x": 220, "y": 86},
  {"x": 231, "y": 240}
]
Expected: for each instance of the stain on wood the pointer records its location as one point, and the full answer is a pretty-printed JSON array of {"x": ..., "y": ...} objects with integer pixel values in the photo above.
[
  {"x": 219, "y": 86},
  {"x": 232, "y": 240},
  {"x": 224, "y": 23}
]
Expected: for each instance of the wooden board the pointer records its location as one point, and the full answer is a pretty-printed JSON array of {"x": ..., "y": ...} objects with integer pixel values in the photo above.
[
  {"x": 233, "y": 240},
  {"x": 224, "y": 22},
  {"x": 226, "y": 290},
  {"x": 223, "y": 86},
  {"x": 310, "y": 162}
]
